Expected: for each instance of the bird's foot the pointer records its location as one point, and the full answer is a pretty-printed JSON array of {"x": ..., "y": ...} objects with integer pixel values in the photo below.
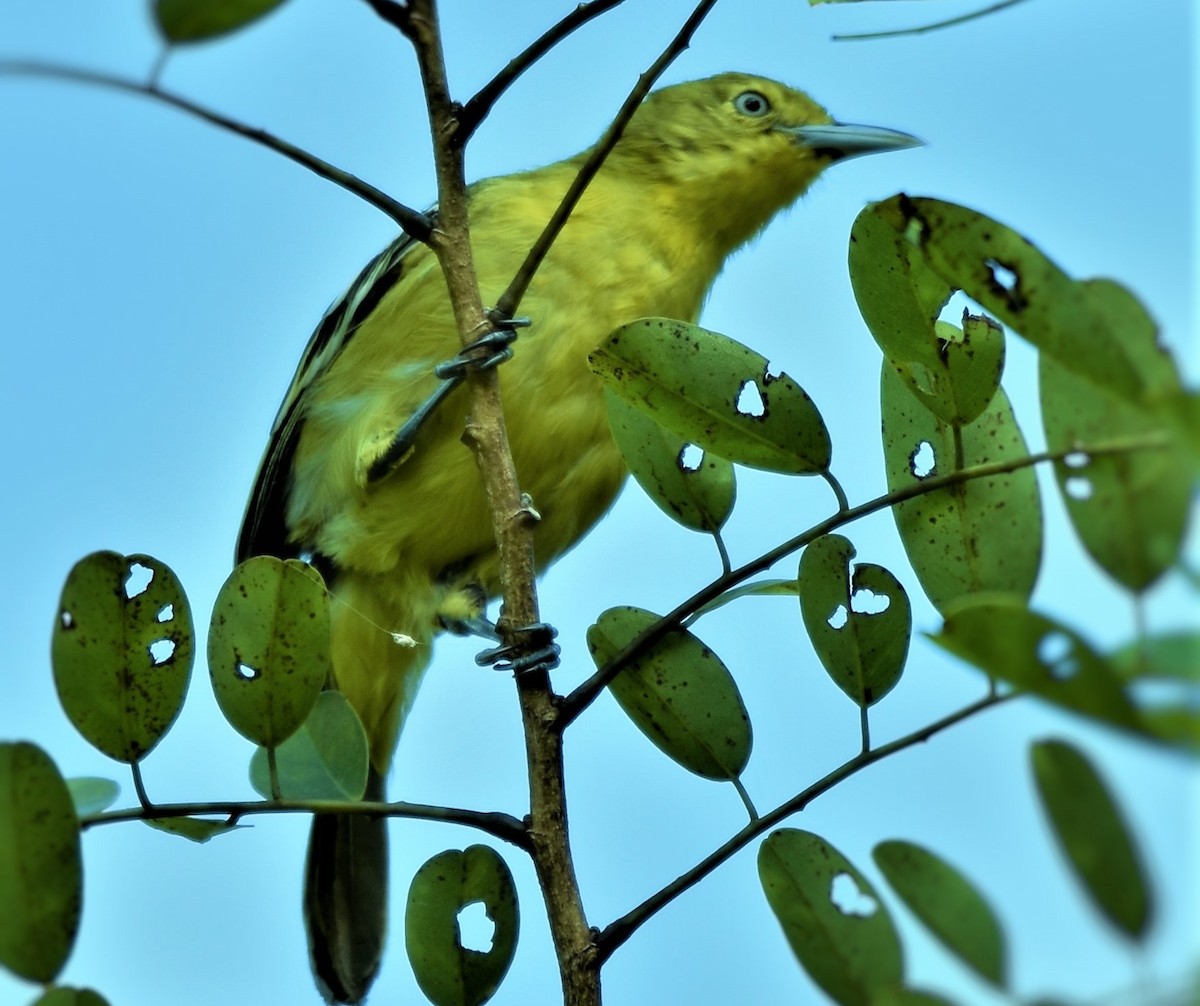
[{"x": 542, "y": 653}]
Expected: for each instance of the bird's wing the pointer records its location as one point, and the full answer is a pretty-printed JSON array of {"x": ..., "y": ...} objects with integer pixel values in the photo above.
[{"x": 264, "y": 526}]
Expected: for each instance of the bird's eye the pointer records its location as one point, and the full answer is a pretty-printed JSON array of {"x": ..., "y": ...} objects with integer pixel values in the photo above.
[{"x": 752, "y": 103}]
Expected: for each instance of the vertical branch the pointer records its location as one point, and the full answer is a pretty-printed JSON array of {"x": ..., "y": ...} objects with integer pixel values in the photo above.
[{"x": 487, "y": 436}]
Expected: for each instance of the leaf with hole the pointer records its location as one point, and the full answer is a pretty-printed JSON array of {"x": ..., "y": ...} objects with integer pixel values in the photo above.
[
  {"x": 862, "y": 650},
  {"x": 949, "y": 906},
  {"x": 838, "y": 928},
  {"x": 699, "y": 497},
  {"x": 268, "y": 647},
  {"x": 449, "y": 973},
  {"x": 92, "y": 795},
  {"x": 711, "y": 391},
  {"x": 1129, "y": 509},
  {"x": 678, "y": 693},
  {"x": 326, "y": 759},
  {"x": 201, "y": 20},
  {"x": 1093, "y": 835},
  {"x": 122, "y": 651},
  {"x": 41, "y": 869},
  {"x": 980, "y": 535}
]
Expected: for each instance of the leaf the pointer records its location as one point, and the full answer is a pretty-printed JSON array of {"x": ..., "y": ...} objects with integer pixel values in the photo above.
[
  {"x": 981, "y": 535},
  {"x": 908, "y": 254},
  {"x": 1173, "y": 655},
  {"x": 716, "y": 393},
  {"x": 1093, "y": 835},
  {"x": 41, "y": 870},
  {"x": 201, "y": 20},
  {"x": 1002, "y": 637},
  {"x": 65, "y": 996},
  {"x": 948, "y": 905},
  {"x": 449, "y": 973},
  {"x": 122, "y": 651},
  {"x": 756, "y": 588},
  {"x": 91, "y": 795},
  {"x": 268, "y": 647},
  {"x": 862, "y": 650},
  {"x": 699, "y": 497},
  {"x": 1130, "y": 509},
  {"x": 846, "y": 942},
  {"x": 908, "y": 997},
  {"x": 326, "y": 759},
  {"x": 194, "y": 829},
  {"x": 678, "y": 694}
]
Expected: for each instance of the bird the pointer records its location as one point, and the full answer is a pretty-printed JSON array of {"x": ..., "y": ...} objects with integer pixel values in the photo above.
[{"x": 408, "y": 552}]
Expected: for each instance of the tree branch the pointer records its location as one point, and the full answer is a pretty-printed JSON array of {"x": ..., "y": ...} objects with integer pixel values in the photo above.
[
  {"x": 618, "y": 931},
  {"x": 502, "y": 826},
  {"x": 573, "y": 704},
  {"x": 414, "y": 223},
  {"x": 478, "y": 107}
]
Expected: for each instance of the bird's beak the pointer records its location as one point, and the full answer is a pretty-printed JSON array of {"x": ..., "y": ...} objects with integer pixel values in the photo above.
[{"x": 842, "y": 139}]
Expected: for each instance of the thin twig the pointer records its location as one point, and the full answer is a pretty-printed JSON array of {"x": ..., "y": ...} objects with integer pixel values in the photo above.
[
  {"x": 503, "y": 826},
  {"x": 510, "y": 300},
  {"x": 935, "y": 26},
  {"x": 578, "y": 700},
  {"x": 621, "y": 929},
  {"x": 478, "y": 107},
  {"x": 414, "y": 223}
]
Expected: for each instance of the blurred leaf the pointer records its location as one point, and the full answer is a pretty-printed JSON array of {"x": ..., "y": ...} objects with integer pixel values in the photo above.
[
  {"x": 908, "y": 997},
  {"x": 41, "y": 870},
  {"x": 64, "y": 996},
  {"x": 1002, "y": 637},
  {"x": 122, "y": 650},
  {"x": 948, "y": 905},
  {"x": 838, "y": 928},
  {"x": 700, "y": 498},
  {"x": 1170, "y": 655},
  {"x": 714, "y": 392},
  {"x": 326, "y": 759},
  {"x": 678, "y": 694},
  {"x": 194, "y": 829},
  {"x": 1131, "y": 509},
  {"x": 201, "y": 20},
  {"x": 1092, "y": 833},
  {"x": 980, "y": 535},
  {"x": 268, "y": 647},
  {"x": 449, "y": 973},
  {"x": 863, "y": 650},
  {"x": 92, "y": 795}
]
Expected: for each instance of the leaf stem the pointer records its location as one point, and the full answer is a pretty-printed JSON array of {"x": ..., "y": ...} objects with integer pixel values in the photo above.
[
  {"x": 139, "y": 787},
  {"x": 934, "y": 26}
]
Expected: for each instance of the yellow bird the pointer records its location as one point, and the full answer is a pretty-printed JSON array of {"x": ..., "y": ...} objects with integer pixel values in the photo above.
[{"x": 701, "y": 168}]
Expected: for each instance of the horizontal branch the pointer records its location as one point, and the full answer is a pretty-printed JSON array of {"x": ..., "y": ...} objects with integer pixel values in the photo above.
[
  {"x": 579, "y": 699},
  {"x": 414, "y": 223},
  {"x": 617, "y": 932},
  {"x": 502, "y": 826}
]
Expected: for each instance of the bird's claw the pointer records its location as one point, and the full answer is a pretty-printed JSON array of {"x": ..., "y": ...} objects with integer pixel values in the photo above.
[
  {"x": 544, "y": 656},
  {"x": 496, "y": 347}
]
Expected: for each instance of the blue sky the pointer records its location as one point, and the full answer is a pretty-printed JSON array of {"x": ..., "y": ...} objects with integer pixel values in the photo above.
[{"x": 159, "y": 280}]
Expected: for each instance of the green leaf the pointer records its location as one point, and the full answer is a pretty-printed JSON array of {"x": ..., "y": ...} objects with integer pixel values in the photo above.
[
  {"x": 449, "y": 973},
  {"x": 201, "y": 20},
  {"x": 714, "y": 392},
  {"x": 949, "y": 906},
  {"x": 976, "y": 536},
  {"x": 122, "y": 650},
  {"x": 1131, "y": 509},
  {"x": 1002, "y": 637},
  {"x": 756, "y": 588},
  {"x": 92, "y": 795},
  {"x": 908, "y": 997},
  {"x": 194, "y": 829},
  {"x": 678, "y": 694},
  {"x": 837, "y": 926},
  {"x": 326, "y": 759},
  {"x": 65, "y": 996},
  {"x": 1092, "y": 833},
  {"x": 698, "y": 497},
  {"x": 268, "y": 647},
  {"x": 41, "y": 870},
  {"x": 908, "y": 254},
  {"x": 1172, "y": 655},
  {"x": 859, "y": 623}
]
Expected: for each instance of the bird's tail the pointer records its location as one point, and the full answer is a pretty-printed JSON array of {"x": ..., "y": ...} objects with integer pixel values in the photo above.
[{"x": 345, "y": 899}]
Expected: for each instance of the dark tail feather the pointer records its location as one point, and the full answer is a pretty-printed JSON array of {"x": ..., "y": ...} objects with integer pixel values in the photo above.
[{"x": 345, "y": 899}]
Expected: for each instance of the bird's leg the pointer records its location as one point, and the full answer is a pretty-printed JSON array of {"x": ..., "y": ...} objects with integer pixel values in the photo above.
[
  {"x": 545, "y": 652},
  {"x": 489, "y": 351}
]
